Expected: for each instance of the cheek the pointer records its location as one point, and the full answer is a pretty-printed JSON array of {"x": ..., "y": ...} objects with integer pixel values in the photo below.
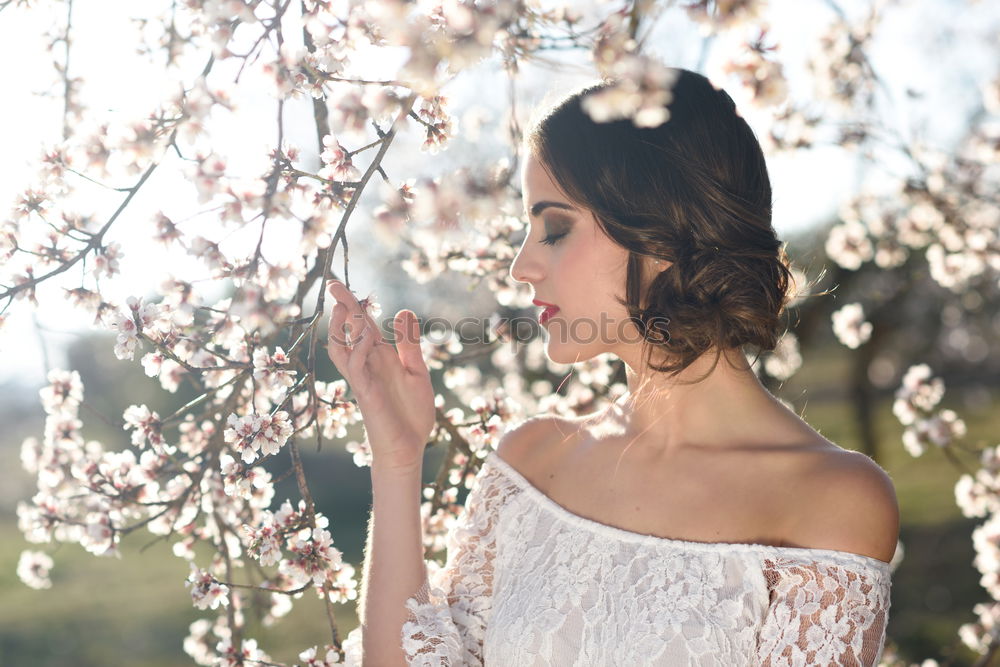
[
  {"x": 594, "y": 273},
  {"x": 606, "y": 266}
]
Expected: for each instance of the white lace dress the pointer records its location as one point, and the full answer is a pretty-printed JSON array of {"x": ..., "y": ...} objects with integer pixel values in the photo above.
[{"x": 527, "y": 582}]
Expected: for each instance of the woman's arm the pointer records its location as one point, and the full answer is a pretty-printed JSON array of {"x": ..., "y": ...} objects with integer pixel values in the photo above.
[{"x": 394, "y": 562}]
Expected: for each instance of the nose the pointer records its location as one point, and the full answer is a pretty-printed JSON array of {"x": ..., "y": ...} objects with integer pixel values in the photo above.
[{"x": 525, "y": 268}]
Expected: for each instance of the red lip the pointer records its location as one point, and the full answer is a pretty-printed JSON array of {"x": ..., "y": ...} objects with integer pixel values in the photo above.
[{"x": 545, "y": 315}]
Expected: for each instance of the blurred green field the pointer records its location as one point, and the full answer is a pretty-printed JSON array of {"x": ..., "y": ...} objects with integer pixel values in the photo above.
[
  {"x": 132, "y": 611},
  {"x": 136, "y": 611}
]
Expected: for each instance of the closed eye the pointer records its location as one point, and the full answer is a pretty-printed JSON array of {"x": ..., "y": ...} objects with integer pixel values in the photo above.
[{"x": 551, "y": 239}]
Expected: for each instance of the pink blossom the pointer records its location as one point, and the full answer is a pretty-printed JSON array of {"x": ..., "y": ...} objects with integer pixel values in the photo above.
[
  {"x": 348, "y": 113},
  {"x": 267, "y": 540},
  {"x": 248, "y": 652},
  {"x": 312, "y": 557},
  {"x": 848, "y": 245},
  {"x": 145, "y": 426},
  {"x": 783, "y": 362},
  {"x": 240, "y": 480},
  {"x": 63, "y": 394},
  {"x": 33, "y": 569},
  {"x": 152, "y": 362},
  {"x": 309, "y": 656},
  {"x": 99, "y": 538},
  {"x": 250, "y": 434},
  {"x": 267, "y": 372},
  {"x": 31, "y": 201},
  {"x": 850, "y": 327},
  {"x": 206, "y": 593},
  {"x": 63, "y": 430},
  {"x": 198, "y": 645},
  {"x": 106, "y": 260}
]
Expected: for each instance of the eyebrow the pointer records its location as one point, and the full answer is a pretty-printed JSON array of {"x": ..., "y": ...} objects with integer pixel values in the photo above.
[{"x": 538, "y": 207}]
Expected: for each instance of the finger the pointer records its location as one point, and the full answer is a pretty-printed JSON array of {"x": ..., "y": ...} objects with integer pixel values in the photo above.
[
  {"x": 361, "y": 352},
  {"x": 407, "y": 329},
  {"x": 336, "y": 343},
  {"x": 357, "y": 316}
]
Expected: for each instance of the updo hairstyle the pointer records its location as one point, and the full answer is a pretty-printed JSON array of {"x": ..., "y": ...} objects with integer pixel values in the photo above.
[{"x": 693, "y": 191}]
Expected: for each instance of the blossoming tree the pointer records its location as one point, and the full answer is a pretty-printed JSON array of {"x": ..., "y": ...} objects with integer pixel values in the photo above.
[{"x": 200, "y": 474}]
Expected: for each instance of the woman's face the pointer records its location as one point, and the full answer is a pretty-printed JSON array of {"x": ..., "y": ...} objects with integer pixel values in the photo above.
[{"x": 572, "y": 264}]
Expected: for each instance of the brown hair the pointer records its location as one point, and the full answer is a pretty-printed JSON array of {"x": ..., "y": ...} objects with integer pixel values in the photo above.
[{"x": 693, "y": 191}]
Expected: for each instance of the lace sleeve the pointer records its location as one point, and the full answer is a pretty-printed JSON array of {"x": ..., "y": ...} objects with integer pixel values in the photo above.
[
  {"x": 447, "y": 616},
  {"x": 824, "y": 613}
]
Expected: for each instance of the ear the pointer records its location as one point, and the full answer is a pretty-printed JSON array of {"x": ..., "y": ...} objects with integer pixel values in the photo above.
[{"x": 653, "y": 266}]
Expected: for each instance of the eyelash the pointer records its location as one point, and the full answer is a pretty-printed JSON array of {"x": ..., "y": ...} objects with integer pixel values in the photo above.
[{"x": 551, "y": 239}]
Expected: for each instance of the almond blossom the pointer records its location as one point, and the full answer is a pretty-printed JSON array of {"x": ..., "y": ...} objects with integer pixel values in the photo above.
[
  {"x": 311, "y": 659},
  {"x": 987, "y": 560},
  {"x": 63, "y": 394},
  {"x": 362, "y": 452},
  {"x": 849, "y": 325},
  {"x": 848, "y": 245},
  {"x": 312, "y": 557},
  {"x": 106, "y": 261},
  {"x": 253, "y": 435},
  {"x": 206, "y": 592},
  {"x": 978, "y": 494},
  {"x": 266, "y": 541},
  {"x": 268, "y": 373},
  {"x": 240, "y": 480},
  {"x": 230, "y": 657},
  {"x": 917, "y": 393},
  {"x": 785, "y": 359},
  {"x": 939, "y": 430},
  {"x": 99, "y": 538},
  {"x": 198, "y": 645},
  {"x": 727, "y": 14},
  {"x": 985, "y": 631},
  {"x": 642, "y": 93},
  {"x": 145, "y": 426},
  {"x": 33, "y": 569},
  {"x": 337, "y": 161}
]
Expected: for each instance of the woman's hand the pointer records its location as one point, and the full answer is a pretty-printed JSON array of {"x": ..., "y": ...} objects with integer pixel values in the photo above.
[{"x": 392, "y": 386}]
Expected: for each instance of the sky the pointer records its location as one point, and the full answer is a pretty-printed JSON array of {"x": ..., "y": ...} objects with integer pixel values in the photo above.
[{"x": 808, "y": 186}]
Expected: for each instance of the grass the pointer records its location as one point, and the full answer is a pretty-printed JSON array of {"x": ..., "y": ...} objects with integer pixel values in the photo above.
[{"x": 109, "y": 612}]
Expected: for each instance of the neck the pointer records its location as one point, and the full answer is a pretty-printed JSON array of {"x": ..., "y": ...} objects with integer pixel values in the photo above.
[{"x": 666, "y": 415}]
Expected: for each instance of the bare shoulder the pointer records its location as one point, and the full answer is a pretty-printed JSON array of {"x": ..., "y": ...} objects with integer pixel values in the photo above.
[
  {"x": 849, "y": 504},
  {"x": 523, "y": 444}
]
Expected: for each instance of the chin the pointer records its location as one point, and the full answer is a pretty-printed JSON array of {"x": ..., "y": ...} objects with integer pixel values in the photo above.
[{"x": 561, "y": 352}]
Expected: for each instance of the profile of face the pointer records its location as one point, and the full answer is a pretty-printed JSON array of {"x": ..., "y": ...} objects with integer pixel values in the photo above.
[{"x": 571, "y": 263}]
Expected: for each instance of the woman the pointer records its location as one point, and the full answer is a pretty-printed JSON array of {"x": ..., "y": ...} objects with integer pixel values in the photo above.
[{"x": 697, "y": 520}]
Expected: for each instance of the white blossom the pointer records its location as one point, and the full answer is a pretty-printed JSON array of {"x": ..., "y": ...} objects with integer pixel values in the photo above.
[
  {"x": 785, "y": 359},
  {"x": 253, "y": 434},
  {"x": 33, "y": 569},
  {"x": 266, "y": 541},
  {"x": 145, "y": 426},
  {"x": 311, "y": 659},
  {"x": 63, "y": 394},
  {"x": 940, "y": 430},
  {"x": 206, "y": 593},
  {"x": 917, "y": 392},
  {"x": 848, "y": 245},
  {"x": 241, "y": 480},
  {"x": 312, "y": 557},
  {"x": 850, "y": 326}
]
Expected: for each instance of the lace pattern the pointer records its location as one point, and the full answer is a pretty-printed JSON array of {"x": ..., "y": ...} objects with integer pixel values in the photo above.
[
  {"x": 527, "y": 582},
  {"x": 823, "y": 614}
]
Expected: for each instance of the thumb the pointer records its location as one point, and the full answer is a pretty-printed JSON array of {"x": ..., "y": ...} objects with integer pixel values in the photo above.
[{"x": 406, "y": 326}]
